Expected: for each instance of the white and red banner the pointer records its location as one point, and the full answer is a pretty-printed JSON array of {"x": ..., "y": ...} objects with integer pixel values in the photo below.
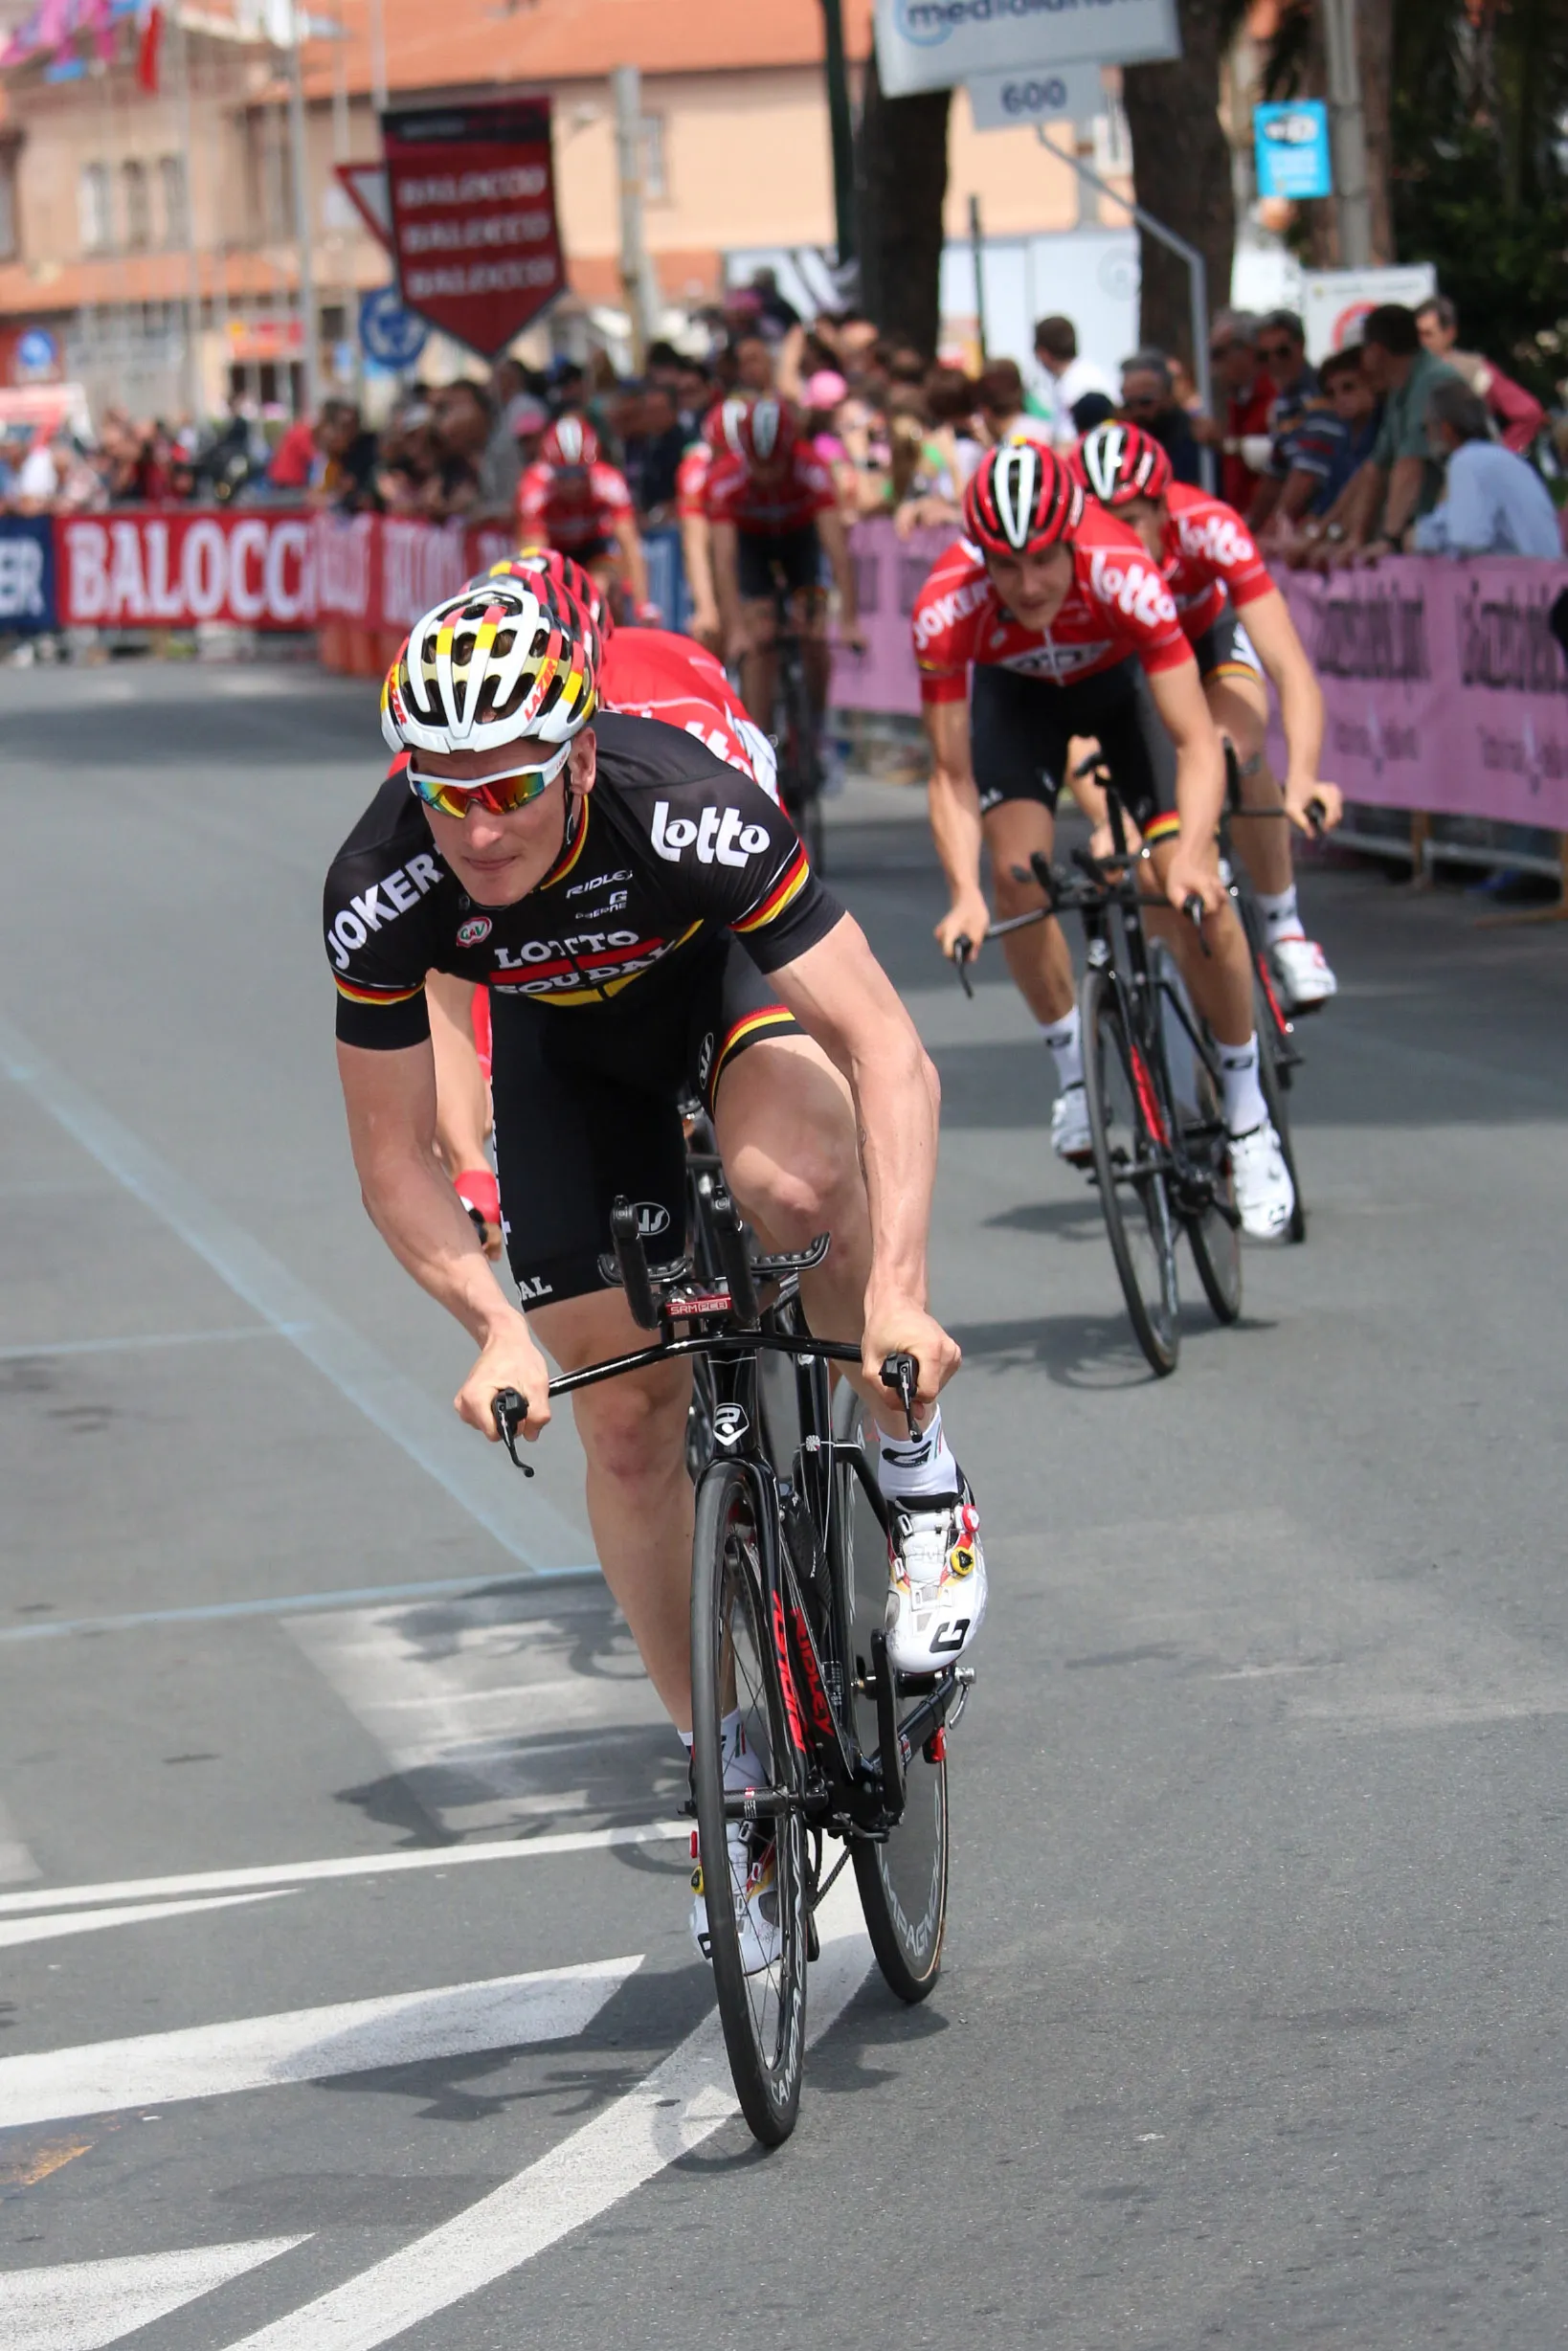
[
  {"x": 170, "y": 569},
  {"x": 474, "y": 231}
]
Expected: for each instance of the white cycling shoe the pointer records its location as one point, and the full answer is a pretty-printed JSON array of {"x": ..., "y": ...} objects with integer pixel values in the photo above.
[
  {"x": 1303, "y": 972},
  {"x": 754, "y": 1888},
  {"x": 937, "y": 1594},
  {"x": 1070, "y": 1126},
  {"x": 1265, "y": 1194}
]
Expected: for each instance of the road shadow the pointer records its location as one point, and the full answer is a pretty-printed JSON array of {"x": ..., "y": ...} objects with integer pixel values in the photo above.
[
  {"x": 1075, "y": 1351},
  {"x": 1078, "y": 1219}
]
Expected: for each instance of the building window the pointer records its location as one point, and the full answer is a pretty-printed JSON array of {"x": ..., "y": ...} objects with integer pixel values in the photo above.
[
  {"x": 94, "y": 209},
  {"x": 171, "y": 197},
  {"x": 655, "y": 184},
  {"x": 133, "y": 179}
]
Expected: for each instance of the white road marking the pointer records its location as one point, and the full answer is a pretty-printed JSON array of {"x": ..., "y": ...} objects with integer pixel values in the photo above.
[
  {"x": 470, "y": 1704},
  {"x": 678, "y": 2106},
  {"x": 432, "y": 1439},
  {"x": 143, "y": 1338},
  {"x": 16, "y": 1861},
  {"x": 351, "y": 1864},
  {"x": 137, "y": 1914},
  {"x": 307, "y": 2044},
  {"x": 83, "y": 2305}
]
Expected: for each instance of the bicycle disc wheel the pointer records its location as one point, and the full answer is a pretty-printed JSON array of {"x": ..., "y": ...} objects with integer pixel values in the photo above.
[
  {"x": 735, "y": 1665},
  {"x": 1133, "y": 1197},
  {"x": 1273, "y": 1079},
  {"x": 903, "y": 1880}
]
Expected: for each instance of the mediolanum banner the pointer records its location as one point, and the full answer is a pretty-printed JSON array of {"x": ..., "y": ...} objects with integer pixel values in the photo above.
[{"x": 935, "y": 44}]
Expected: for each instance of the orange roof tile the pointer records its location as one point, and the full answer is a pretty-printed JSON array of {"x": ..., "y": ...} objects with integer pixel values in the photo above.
[{"x": 524, "y": 43}]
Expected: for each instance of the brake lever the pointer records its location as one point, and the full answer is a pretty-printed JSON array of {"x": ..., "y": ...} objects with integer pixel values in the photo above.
[
  {"x": 510, "y": 1410},
  {"x": 963, "y": 950},
  {"x": 1192, "y": 906},
  {"x": 902, "y": 1374},
  {"x": 1317, "y": 817}
]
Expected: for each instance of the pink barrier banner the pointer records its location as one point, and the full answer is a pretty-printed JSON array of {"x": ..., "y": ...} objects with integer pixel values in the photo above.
[
  {"x": 170, "y": 569},
  {"x": 889, "y": 572},
  {"x": 1445, "y": 689}
]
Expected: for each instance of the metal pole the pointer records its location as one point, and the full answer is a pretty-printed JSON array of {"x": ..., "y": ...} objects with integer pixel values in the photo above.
[
  {"x": 1350, "y": 134},
  {"x": 192, "y": 391},
  {"x": 977, "y": 246},
  {"x": 626, "y": 87},
  {"x": 1197, "y": 278},
  {"x": 842, "y": 127},
  {"x": 309, "y": 324}
]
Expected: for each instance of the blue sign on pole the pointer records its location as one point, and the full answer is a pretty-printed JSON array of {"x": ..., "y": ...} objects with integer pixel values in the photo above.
[
  {"x": 391, "y": 336},
  {"x": 1292, "y": 148}
]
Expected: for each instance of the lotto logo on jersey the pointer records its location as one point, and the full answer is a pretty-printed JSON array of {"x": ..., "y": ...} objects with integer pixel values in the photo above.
[
  {"x": 943, "y": 613},
  {"x": 1132, "y": 588},
  {"x": 719, "y": 835},
  {"x": 1216, "y": 539}
]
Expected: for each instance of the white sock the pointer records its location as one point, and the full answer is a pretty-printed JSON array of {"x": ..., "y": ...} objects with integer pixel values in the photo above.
[
  {"x": 905, "y": 1470},
  {"x": 1066, "y": 1042},
  {"x": 1282, "y": 919},
  {"x": 740, "y": 1764},
  {"x": 1245, "y": 1105}
]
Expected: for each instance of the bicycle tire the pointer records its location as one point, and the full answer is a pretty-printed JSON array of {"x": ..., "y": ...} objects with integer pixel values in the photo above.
[
  {"x": 903, "y": 1878},
  {"x": 1216, "y": 1242},
  {"x": 1273, "y": 1079},
  {"x": 734, "y": 1654},
  {"x": 1142, "y": 1244}
]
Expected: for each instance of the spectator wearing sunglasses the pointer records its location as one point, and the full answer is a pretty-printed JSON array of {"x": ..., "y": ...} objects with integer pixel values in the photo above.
[
  {"x": 1150, "y": 398},
  {"x": 1245, "y": 396},
  {"x": 1282, "y": 349}
]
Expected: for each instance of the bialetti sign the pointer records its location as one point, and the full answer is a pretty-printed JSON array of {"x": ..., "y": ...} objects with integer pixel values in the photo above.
[
  {"x": 472, "y": 191},
  {"x": 935, "y": 44}
]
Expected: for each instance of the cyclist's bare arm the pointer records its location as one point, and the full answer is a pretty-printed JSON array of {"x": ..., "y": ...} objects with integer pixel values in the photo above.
[
  {"x": 955, "y": 804},
  {"x": 1283, "y": 655},
  {"x": 844, "y": 998},
  {"x": 1194, "y": 870},
  {"x": 835, "y": 543},
  {"x": 634, "y": 563},
  {"x": 723, "y": 547},
  {"x": 697, "y": 554},
  {"x": 391, "y": 1101}
]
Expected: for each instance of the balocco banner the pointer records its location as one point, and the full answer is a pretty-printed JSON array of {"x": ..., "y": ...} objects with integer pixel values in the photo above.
[
  {"x": 473, "y": 217},
  {"x": 171, "y": 570}
]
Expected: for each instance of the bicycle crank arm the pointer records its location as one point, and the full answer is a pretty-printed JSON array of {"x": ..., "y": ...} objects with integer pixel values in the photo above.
[
  {"x": 889, "y": 1743},
  {"x": 941, "y": 1706}
]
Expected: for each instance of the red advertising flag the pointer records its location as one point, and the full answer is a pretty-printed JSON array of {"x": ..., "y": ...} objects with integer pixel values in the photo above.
[{"x": 473, "y": 216}]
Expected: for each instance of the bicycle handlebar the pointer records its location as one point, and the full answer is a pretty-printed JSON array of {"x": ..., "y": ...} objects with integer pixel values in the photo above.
[
  {"x": 510, "y": 1410},
  {"x": 733, "y": 1258},
  {"x": 902, "y": 1374},
  {"x": 963, "y": 950},
  {"x": 631, "y": 1257}
]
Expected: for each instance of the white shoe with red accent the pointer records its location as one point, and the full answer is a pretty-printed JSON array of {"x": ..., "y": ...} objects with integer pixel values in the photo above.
[
  {"x": 1070, "y": 1138},
  {"x": 754, "y": 1891},
  {"x": 1302, "y": 970},
  {"x": 936, "y": 1600}
]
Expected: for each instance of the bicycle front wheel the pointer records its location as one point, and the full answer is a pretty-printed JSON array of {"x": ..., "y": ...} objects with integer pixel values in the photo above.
[
  {"x": 1134, "y": 1199},
  {"x": 903, "y": 1879},
  {"x": 757, "y": 1939}
]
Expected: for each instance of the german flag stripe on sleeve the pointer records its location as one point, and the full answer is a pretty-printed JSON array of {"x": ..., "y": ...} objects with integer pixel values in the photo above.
[
  {"x": 772, "y": 1016},
  {"x": 788, "y": 886},
  {"x": 377, "y": 995}
]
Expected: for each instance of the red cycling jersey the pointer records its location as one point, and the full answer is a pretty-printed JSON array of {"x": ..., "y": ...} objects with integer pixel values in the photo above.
[
  {"x": 771, "y": 505},
  {"x": 571, "y": 506},
  {"x": 691, "y": 484},
  {"x": 1118, "y": 604},
  {"x": 1207, "y": 551},
  {"x": 654, "y": 673}
]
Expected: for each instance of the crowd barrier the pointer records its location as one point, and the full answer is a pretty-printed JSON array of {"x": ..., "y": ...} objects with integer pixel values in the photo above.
[{"x": 1446, "y": 693}]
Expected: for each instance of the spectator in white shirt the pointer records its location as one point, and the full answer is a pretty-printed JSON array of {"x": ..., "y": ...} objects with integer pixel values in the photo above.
[
  {"x": 1064, "y": 378},
  {"x": 1494, "y": 502}
]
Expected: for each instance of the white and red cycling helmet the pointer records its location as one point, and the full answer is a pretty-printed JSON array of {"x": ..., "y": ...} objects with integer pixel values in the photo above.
[{"x": 570, "y": 441}]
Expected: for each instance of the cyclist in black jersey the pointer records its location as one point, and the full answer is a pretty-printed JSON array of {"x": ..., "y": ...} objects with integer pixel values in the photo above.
[{"x": 645, "y": 918}]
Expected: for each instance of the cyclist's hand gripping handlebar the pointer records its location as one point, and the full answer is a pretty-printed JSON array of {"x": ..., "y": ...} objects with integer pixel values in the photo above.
[
  {"x": 902, "y": 1374},
  {"x": 510, "y": 1411}
]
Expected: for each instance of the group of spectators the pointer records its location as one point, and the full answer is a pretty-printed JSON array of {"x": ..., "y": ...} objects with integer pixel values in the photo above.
[{"x": 1403, "y": 440}]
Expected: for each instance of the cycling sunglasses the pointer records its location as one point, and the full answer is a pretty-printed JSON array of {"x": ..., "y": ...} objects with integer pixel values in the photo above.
[{"x": 502, "y": 794}]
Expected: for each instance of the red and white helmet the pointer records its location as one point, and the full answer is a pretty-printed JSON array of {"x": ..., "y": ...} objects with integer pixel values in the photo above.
[
  {"x": 532, "y": 563},
  {"x": 721, "y": 426},
  {"x": 489, "y": 665},
  {"x": 570, "y": 441},
  {"x": 1021, "y": 498},
  {"x": 766, "y": 431},
  {"x": 1120, "y": 463}
]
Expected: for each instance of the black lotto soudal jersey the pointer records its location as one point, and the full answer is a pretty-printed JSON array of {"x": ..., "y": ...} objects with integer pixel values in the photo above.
[{"x": 670, "y": 848}]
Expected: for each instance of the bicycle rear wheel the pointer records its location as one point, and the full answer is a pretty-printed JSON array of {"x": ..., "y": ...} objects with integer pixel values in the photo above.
[
  {"x": 734, "y": 1665},
  {"x": 903, "y": 1879},
  {"x": 1134, "y": 1196},
  {"x": 1214, "y": 1234},
  {"x": 1274, "y": 1078}
]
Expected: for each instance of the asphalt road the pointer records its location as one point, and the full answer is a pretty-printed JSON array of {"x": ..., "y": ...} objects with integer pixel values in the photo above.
[{"x": 344, "y": 1988}]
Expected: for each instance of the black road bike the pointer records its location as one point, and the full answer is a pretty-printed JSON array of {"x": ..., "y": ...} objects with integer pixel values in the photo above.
[
  {"x": 789, "y": 1592},
  {"x": 797, "y": 733},
  {"x": 1161, "y": 1154}
]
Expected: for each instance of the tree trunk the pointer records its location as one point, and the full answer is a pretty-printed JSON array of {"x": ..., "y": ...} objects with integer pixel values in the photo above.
[
  {"x": 1181, "y": 160},
  {"x": 1375, "y": 43},
  {"x": 902, "y": 154}
]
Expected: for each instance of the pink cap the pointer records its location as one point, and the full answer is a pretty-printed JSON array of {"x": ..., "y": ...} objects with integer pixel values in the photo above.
[{"x": 825, "y": 389}]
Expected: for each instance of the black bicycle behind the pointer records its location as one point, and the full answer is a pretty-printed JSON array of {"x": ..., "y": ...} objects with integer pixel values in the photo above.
[
  {"x": 789, "y": 1589},
  {"x": 798, "y": 731}
]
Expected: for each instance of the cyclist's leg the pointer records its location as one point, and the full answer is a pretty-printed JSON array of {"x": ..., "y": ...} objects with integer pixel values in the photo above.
[
  {"x": 569, "y": 1135},
  {"x": 800, "y": 563},
  {"x": 758, "y": 661},
  {"x": 1017, "y": 744}
]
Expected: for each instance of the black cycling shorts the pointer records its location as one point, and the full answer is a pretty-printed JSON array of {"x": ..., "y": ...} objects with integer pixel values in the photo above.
[
  {"x": 1226, "y": 649},
  {"x": 793, "y": 557},
  {"x": 1019, "y": 729},
  {"x": 587, "y": 1105}
]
